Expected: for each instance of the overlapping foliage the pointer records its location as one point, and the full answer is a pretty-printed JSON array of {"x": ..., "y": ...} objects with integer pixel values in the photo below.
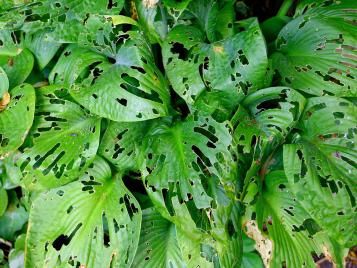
[{"x": 155, "y": 133}]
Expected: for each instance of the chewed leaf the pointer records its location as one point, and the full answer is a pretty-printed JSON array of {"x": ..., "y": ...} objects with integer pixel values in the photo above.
[
  {"x": 318, "y": 52},
  {"x": 62, "y": 143},
  {"x": 73, "y": 63},
  {"x": 16, "y": 118},
  {"x": 321, "y": 165},
  {"x": 294, "y": 232},
  {"x": 215, "y": 77},
  {"x": 186, "y": 155},
  {"x": 17, "y": 68},
  {"x": 122, "y": 144},
  {"x": 92, "y": 222},
  {"x": 131, "y": 89},
  {"x": 266, "y": 117}
]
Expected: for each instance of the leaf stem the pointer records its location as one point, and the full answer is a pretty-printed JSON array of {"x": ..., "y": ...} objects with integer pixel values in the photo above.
[{"x": 285, "y": 6}]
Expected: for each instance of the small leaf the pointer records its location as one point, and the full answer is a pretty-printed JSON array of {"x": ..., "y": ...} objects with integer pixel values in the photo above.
[
  {"x": 158, "y": 246},
  {"x": 17, "y": 68},
  {"x": 16, "y": 120},
  {"x": 97, "y": 223}
]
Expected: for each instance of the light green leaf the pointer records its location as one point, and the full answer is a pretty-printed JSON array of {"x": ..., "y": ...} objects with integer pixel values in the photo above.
[
  {"x": 16, "y": 255},
  {"x": 62, "y": 143},
  {"x": 97, "y": 223},
  {"x": 43, "y": 49},
  {"x": 190, "y": 178},
  {"x": 267, "y": 115},
  {"x": 16, "y": 120},
  {"x": 158, "y": 246},
  {"x": 122, "y": 143},
  {"x": 184, "y": 153},
  {"x": 17, "y": 68},
  {"x": 131, "y": 89},
  {"x": 3, "y": 200},
  {"x": 294, "y": 233},
  {"x": 4, "y": 82},
  {"x": 318, "y": 54},
  {"x": 217, "y": 76},
  {"x": 321, "y": 165}
]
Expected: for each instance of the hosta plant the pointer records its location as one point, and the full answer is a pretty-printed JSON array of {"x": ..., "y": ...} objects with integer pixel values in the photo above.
[{"x": 166, "y": 133}]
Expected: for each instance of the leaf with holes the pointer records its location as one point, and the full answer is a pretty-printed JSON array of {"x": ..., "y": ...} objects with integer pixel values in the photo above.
[
  {"x": 293, "y": 231},
  {"x": 215, "y": 77},
  {"x": 97, "y": 223},
  {"x": 132, "y": 89},
  {"x": 267, "y": 115},
  {"x": 318, "y": 52},
  {"x": 122, "y": 143},
  {"x": 63, "y": 141},
  {"x": 16, "y": 118},
  {"x": 322, "y": 163}
]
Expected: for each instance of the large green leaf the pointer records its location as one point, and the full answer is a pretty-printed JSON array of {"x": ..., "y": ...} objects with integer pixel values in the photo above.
[
  {"x": 190, "y": 163},
  {"x": 267, "y": 115},
  {"x": 63, "y": 141},
  {"x": 321, "y": 165},
  {"x": 158, "y": 246},
  {"x": 132, "y": 89},
  {"x": 318, "y": 52},
  {"x": 92, "y": 222},
  {"x": 17, "y": 68},
  {"x": 122, "y": 143},
  {"x": 185, "y": 153},
  {"x": 294, "y": 233},
  {"x": 217, "y": 76},
  {"x": 16, "y": 120}
]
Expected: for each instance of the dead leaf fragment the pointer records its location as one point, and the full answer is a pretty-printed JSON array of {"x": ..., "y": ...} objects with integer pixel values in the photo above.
[
  {"x": 150, "y": 3},
  {"x": 5, "y": 101},
  {"x": 263, "y": 245}
]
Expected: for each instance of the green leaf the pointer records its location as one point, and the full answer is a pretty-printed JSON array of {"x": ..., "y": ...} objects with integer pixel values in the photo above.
[
  {"x": 97, "y": 223},
  {"x": 63, "y": 141},
  {"x": 122, "y": 143},
  {"x": 43, "y": 49},
  {"x": 217, "y": 76},
  {"x": 132, "y": 89},
  {"x": 152, "y": 18},
  {"x": 17, "y": 68},
  {"x": 317, "y": 50},
  {"x": 267, "y": 115},
  {"x": 250, "y": 257},
  {"x": 319, "y": 167},
  {"x": 3, "y": 200},
  {"x": 14, "y": 218},
  {"x": 294, "y": 233},
  {"x": 16, "y": 120},
  {"x": 158, "y": 245},
  {"x": 16, "y": 255},
  {"x": 4, "y": 82},
  {"x": 190, "y": 163},
  {"x": 183, "y": 153}
]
